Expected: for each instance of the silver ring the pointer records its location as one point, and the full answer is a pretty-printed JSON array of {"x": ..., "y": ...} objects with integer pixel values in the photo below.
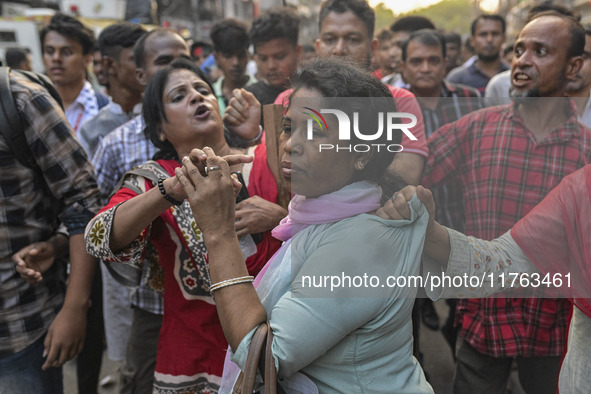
[
  {"x": 395, "y": 196},
  {"x": 212, "y": 168}
]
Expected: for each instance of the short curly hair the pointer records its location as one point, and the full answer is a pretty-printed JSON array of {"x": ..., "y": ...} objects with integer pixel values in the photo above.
[
  {"x": 275, "y": 23},
  {"x": 360, "y": 8},
  {"x": 229, "y": 36}
]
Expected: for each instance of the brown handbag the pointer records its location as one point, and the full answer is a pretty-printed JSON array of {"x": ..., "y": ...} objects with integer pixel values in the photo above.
[{"x": 262, "y": 339}]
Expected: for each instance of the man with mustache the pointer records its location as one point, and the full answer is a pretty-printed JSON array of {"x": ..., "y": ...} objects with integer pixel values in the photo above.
[
  {"x": 402, "y": 29},
  {"x": 507, "y": 158},
  {"x": 488, "y": 35},
  {"x": 424, "y": 67},
  {"x": 346, "y": 30}
]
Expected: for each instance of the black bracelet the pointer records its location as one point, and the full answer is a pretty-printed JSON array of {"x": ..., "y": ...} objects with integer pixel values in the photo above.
[{"x": 166, "y": 196}]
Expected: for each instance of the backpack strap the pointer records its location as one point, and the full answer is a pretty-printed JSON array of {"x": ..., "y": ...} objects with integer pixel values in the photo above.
[
  {"x": 11, "y": 125},
  {"x": 45, "y": 82},
  {"x": 101, "y": 99}
]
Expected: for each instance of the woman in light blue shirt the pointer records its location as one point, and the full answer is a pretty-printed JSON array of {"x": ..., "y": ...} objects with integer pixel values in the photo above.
[{"x": 338, "y": 314}]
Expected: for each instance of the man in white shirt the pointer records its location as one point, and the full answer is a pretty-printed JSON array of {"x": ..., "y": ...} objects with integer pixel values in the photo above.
[{"x": 67, "y": 52}]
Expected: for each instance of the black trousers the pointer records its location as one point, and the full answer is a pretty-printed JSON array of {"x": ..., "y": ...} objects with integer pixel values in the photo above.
[{"x": 90, "y": 358}]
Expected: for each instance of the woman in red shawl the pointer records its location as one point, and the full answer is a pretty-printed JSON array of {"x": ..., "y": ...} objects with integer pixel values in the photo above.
[
  {"x": 549, "y": 249},
  {"x": 149, "y": 218}
]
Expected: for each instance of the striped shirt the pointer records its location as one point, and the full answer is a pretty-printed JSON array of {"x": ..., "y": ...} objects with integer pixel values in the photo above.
[{"x": 121, "y": 150}]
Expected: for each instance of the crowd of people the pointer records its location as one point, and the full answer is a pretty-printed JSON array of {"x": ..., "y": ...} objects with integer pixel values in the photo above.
[{"x": 150, "y": 219}]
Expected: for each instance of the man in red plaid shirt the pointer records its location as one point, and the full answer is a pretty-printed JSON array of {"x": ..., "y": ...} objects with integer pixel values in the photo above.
[{"x": 507, "y": 159}]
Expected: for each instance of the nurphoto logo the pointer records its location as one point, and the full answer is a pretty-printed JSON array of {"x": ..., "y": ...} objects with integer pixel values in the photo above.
[{"x": 387, "y": 123}]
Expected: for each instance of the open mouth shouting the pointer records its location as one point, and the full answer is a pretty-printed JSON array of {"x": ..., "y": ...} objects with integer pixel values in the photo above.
[{"x": 202, "y": 112}]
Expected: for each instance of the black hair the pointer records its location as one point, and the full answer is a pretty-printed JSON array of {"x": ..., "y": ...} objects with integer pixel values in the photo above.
[
  {"x": 206, "y": 48},
  {"x": 275, "y": 23},
  {"x": 229, "y": 36},
  {"x": 488, "y": 17},
  {"x": 71, "y": 28},
  {"x": 427, "y": 37},
  {"x": 384, "y": 34},
  {"x": 118, "y": 36},
  {"x": 575, "y": 29},
  {"x": 412, "y": 23},
  {"x": 453, "y": 37},
  {"x": 153, "y": 106},
  {"x": 547, "y": 6},
  {"x": 15, "y": 56},
  {"x": 139, "y": 49},
  {"x": 341, "y": 78},
  {"x": 358, "y": 7}
]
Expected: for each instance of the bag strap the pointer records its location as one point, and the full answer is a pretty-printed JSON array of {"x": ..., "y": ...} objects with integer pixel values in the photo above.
[
  {"x": 13, "y": 131},
  {"x": 45, "y": 82},
  {"x": 271, "y": 385},
  {"x": 260, "y": 345},
  {"x": 252, "y": 361},
  {"x": 101, "y": 100},
  {"x": 11, "y": 125}
]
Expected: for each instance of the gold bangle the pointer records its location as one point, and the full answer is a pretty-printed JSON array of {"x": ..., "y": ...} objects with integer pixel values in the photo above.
[{"x": 229, "y": 282}]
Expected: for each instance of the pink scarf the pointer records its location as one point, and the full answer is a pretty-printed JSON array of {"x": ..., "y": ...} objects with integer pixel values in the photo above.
[{"x": 353, "y": 199}]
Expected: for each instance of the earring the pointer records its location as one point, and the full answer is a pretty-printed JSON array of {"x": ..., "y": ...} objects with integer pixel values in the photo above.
[
  {"x": 162, "y": 137},
  {"x": 359, "y": 165}
]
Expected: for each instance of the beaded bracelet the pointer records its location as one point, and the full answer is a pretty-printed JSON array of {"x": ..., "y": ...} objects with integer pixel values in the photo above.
[
  {"x": 230, "y": 282},
  {"x": 165, "y": 195}
]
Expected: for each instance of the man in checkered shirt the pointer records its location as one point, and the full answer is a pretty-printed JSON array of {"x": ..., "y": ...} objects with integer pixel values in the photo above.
[
  {"x": 507, "y": 159},
  {"x": 40, "y": 328}
]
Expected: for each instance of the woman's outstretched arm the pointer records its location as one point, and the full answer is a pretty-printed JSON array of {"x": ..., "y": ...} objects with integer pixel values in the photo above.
[
  {"x": 135, "y": 214},
  {"x": 487, "y": 263}
]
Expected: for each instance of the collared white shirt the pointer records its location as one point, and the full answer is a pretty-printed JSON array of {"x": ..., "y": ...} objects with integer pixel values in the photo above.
[{"x": 83, "y": 108}]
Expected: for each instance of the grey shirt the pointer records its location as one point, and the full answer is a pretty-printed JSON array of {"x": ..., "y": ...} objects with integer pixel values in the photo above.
[{"x": 107, "y": 120}]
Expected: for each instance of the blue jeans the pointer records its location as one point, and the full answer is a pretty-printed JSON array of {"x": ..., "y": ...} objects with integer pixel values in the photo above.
[{"x": 21, "y": 373}]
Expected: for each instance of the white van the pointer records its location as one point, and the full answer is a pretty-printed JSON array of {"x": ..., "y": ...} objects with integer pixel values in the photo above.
[{"x": 22, "y": 34}]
